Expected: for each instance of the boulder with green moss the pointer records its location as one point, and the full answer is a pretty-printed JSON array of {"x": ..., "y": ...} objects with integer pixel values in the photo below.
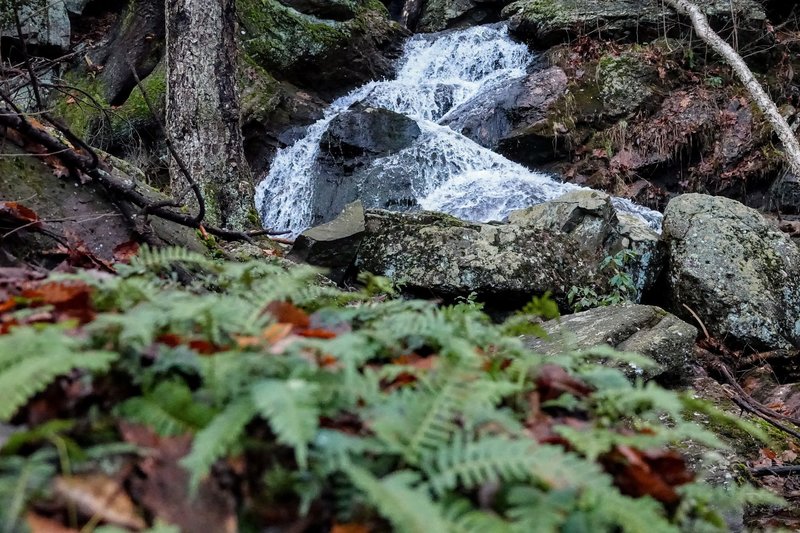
[
  {"x": 625, "y": 83},
  {"x": 438, "y": 15},
  {"x": 322, "y": 54},
  {"x": 730, "y": 266},
  {"x": 550, "y": 21},
  {"x": 440, "y": 254}
]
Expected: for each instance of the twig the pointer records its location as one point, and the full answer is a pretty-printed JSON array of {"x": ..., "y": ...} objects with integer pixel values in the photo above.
[
  {"x": 703, "y": 326},
  {"x": 775, "y": 471}
]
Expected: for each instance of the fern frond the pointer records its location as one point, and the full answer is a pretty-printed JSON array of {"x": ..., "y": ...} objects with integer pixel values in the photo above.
[
  {"x": 30, "y": 359},
  {"x": 154, "y": 259},
  {"x": 169, "y": 409},
  {"x": 466, "y": 519},
  {"x": 469, "y": 464},
  {"x": 217, "y": 438},
  {"x": 398, "y": 499},
  {"x": 291, "y": 408}
]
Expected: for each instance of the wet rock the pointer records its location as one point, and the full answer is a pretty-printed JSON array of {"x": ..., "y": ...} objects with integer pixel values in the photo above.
[
  {"x": 346, "y": 170},
  {"x": 329, "y": 56},
  {"x": 438, "y": 15},
  {"x": 368, "y": 131},
  {"x": 334, "y": 245},
  {"x": 439, "y": 254},
  {"x": 76, "y": 7},
  {"x": 504, "y": 113},
  {"x": 590, "y": 218},
  {"x": 738, "y": 273},
  {"x": 547, "y": 22},
  {"x": 642, "y": 329}
]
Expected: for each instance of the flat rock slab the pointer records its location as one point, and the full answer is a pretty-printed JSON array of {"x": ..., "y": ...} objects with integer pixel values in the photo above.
[{"x": 644, "y": 329}]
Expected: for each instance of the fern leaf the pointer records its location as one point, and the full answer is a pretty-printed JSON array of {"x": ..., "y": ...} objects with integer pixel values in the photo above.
[
  {"x": 291, "y": 409},
  {"x": 217, "y": 438},
  {"x": 470, "y": 464},
  {"x": 30, "y": 359},
  {"x": 409, "y": 508},
  {"x": 169, "y": 409},
  {"x": 154, "y": 259}
]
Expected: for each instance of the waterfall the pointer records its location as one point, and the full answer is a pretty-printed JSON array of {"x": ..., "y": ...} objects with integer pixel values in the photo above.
[{"x": 437, "y": 74}]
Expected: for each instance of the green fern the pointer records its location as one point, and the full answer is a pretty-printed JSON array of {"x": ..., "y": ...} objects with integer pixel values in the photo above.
[
  {"x": 399, "y": 499},
  {"x": 216, "y": 439},
  {"x": 291, "y": 409},
  {"x": 154, "y": 259},
  {"x": 170, "y": 409},
  {"x": 30, "y": 359},
  {"x": 468, "y": 464}
]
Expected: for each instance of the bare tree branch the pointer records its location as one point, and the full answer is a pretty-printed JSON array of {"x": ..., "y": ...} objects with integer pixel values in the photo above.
[{"x": 745, "y": 75}]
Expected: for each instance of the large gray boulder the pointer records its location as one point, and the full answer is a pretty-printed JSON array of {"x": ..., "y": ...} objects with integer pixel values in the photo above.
[
  {"x": 643, "y": 329},
  {"x": 590, "y": 218},
  {"x": 547, "y": 22},
  {"x": 45, "y": 25},
  {"x": 730, "y": 266},
  {"x": 349, "y": 162},
  {"x": 506, "y": 112},
  {"x": 446, "y": 256}
]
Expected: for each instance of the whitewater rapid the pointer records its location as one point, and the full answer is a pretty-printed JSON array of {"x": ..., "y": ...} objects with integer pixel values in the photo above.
[{"x": 437, "y": 75}]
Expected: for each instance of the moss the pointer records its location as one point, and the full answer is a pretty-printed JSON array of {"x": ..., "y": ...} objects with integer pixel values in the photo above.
[
  {"x": 83, "y": 109},
  {"x": 259, "y": 92},
  {"x": 278, "y": 36},
  {"x": 134, "y": 114}
]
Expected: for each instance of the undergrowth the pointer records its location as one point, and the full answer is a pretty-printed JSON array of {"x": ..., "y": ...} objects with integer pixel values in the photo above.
[{"x": 346, "y": 407}]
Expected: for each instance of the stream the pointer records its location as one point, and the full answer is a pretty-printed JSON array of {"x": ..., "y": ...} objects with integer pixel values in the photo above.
[{"x": 437, "y": 77}]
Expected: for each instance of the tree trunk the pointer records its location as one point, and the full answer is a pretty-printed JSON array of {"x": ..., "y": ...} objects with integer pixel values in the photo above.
[
  {"x": 203, "y": 117},
  {"x": 760, "y": 97}
]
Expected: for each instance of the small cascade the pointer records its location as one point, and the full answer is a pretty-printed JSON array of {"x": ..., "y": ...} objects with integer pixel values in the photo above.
[{"x": 437, "y": 75}]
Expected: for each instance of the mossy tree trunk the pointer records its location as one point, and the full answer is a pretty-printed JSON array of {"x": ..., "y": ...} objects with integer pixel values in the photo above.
[{"x": 203, "y": 117}]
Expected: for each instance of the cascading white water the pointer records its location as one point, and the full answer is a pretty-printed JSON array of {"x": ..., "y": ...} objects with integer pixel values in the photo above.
[{"x": 437, "y": 74}]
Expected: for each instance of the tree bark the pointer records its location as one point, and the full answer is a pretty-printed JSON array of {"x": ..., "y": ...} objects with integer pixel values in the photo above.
[
  {"x": 760, "y": 97},
  {"x": 203, "y": 118}
]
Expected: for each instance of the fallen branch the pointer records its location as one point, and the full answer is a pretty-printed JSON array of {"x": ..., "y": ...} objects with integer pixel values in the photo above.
[
  {"x": 760, "y": 97},
  {"x": 121, "y": 188},
  {"x": 775, "y": 471}
]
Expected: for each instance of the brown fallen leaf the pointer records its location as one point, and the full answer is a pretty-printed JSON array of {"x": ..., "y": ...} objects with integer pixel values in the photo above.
[
  {"x": 39, "y": 524},
  {"x": 18, "y": 214},
  {"x": 163, "y": 487},
  {"x": 552, "y": 381},
  {"x": 125, "y": 251},
  {"x": 101, "y": 496},
  {"x": 350, "y": 528}
]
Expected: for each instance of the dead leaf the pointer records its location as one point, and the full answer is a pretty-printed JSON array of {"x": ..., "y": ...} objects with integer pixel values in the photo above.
[
  {"x": 276, "y": 332},
  {"x": 350, "y": 528},
  {"x": 71, "y": 299},
  {"x": 39, "y": 524},
  {"x": 19, "y": 214},
  {"x": 289, "y": 313},
  {"x": 653, "y": 473},
  {"x": 552, "y": 381},
  {"x": 163, "y": 487},
  {"x": 101, "y": 496},
  {"x": 125, "y": 251}
]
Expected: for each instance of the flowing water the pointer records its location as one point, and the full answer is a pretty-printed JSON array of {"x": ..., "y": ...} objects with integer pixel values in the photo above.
[{"x": 437, "y": 75}]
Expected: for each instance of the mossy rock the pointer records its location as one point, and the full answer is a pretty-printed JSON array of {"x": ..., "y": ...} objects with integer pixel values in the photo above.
[
  {"x": 327, "y": 55},
  {"x": 625, "y": 83},
  {"x": 551, "y": 21}
]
